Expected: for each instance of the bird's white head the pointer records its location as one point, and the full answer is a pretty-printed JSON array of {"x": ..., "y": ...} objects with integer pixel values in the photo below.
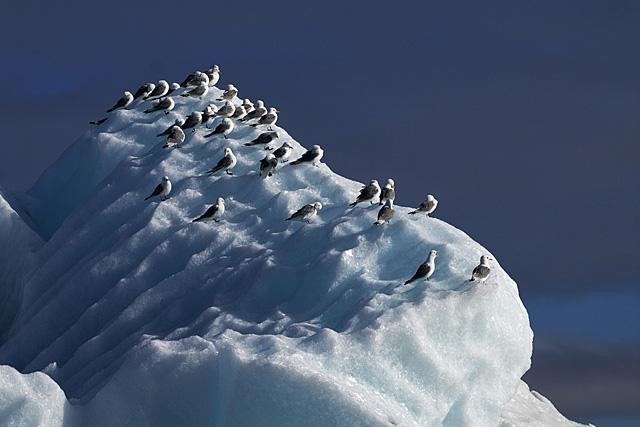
[
  {"x": 247, "y": 101},
  {"x": 317, "y": 205},
  {"x": 273, "y": 110},
  {"x": 151, "y": 86},
  {"x": 215, "y": 68},
  {"x": 389, "y": 203},
  {"x": 316, "y": 148},
  {"x": 220, "y": 201},
  {"x": 163, "y": 83},
  {"x": 433, "y": 254},
  {"x": 197, "y": 114},
  {"x": 228, "y": 152},
  {"x": 484, "y": 259},
  {"x": 165, "y": 178},
  {"x": 175, "y": 86},
  {"x": 431, "y": 198},
  {"x": 374, "y": 182},
  {"x": 227, "y": 121},
  {"x": 231, "y": 87},
  {"x": 260, "y": 103},
  {"x": 128, "y": 94},
  {"x": 391, "y": 183},
  {"x": 270, "y": 156}
]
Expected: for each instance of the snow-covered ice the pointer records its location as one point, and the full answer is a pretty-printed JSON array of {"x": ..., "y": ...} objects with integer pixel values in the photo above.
[{"x": 144, "y": 318}]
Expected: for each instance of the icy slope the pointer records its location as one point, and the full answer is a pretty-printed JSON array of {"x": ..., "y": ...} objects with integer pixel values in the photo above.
[{"x": 145, "y": 318}]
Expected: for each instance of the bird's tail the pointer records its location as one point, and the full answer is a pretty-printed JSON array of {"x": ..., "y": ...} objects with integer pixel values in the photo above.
[
  {"x": 378, "y": 222},
  {"x": 185, "y": 94},
  {"x": 110, "y": 109},
  {"x": 290, "y": 218},
  {"x": 408, "y": 281},
  {"x": 197, "y": 219},
  {"x": 249, "y": 144},
  {"x": 353, "y": 204},
  {"x": 254, "y": 125},
  {"x": 150, "y": 110},
  {"x": 472, "y": 280},
  {"x": 296, "y": 162},
  {"x": 413, "y": 213},
  {"x": 147, "y": 198}
]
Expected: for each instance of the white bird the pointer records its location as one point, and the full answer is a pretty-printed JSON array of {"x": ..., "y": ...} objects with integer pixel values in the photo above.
[
  {"x": 426, "y": 269},
  {"x": 312, "y": 156},
  {"x": 306, "y": 212},
  {"x": 226, "y": 110},
  {"x": 388, "y": 192},
  {"x": 162, "y": 88},
  {"x": 194, "y": 119},
  {"x": 268, "y": 165},
  {"x": 368, "y": 193},
  {"x": 428, "y": 206},
  {"x": 224, "y": 128},
  {"x": 259, "y": 111},
  {"x": 283, "y": 153},
  {"x": 268, "y": 119},
  {"x": 123, "y": 102},
  {"x": 167, "y": 131},
  {"x": 385, "y": 213},
  {"x": 213, "y": 213},
  {"x": 165, "y": 104},
  {"x": 175, "y": 137},
  {"x": 240, "y": 113},
  {"x": 213, "y": 74},
  {"x": 229, "y": 94},
  {"x": 162, "y": 190},
  {"x": 226, "y": 163},
  {"x": 198, "y": 91},
  {"x": 482, "y": 271}
]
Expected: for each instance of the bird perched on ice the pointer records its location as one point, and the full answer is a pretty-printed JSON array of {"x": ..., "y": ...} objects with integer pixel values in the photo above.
[
  {"x": 162, "y": 88},
  {"x": 268, "y": 119},
  {"x": 240, "y": 113},
  {"x": 208, "y": 114},
  {"x": 268, "y": 165},
  {"x": 167, "y": 131},
  {"x": 226, "y": 163},
  {"x": 385, "y": 213},
  {"x": 144, "y": 90},
  {"x": 226, "y": 110},
  {"x": 195, "y": 79},
  {"x": 368, "y": 193},
  {"x": 225, "y": 127},
  {"x": 162, "y": 190},
  {"x": 388, "y": 192},
  {"x": 312, "y": 156},
  {"x": 306, "y": 212},
  {"x": 198, "y": 91},
  {"x": 213, "y": 74},
  {"x": 123, "y": 102},
  {"x": 263, "y": 139},
  {"x": 426, "y": 269},
  {"x": 213, "y": 213},
  {"x": 229, "y": 94},
  {"x": 175, "y": 137},
  {"x": 165, "y": 104},
  {"x": 172, "y": 88},
  {"x": 193, "y": 120},
  {"x": 98, "y": 122},
  {"x": 283, "y": 152},
  {"x": 428, "y": 206},
  {"x": 259, "y": 111},
  {"x": 481, "y": 272},
  {"x": 248, "y": 105}
]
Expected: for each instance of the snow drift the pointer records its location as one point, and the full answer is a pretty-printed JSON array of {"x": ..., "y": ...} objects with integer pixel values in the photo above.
[{"x": 144, "y": 318}]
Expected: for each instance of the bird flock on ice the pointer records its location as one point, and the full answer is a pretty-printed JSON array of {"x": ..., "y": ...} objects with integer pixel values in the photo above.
[{"x": 196, "y": 85}]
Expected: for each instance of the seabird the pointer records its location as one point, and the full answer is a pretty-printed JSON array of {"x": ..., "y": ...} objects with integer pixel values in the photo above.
[
  {"x": 163, "y": 189},
  {"x": 229, "y": 94},
  {"x": 174, "y": 87},
  {"x": 481, "y": 272},
  {"x": 268, "y": 165},
  {"x": 224, "y": 127},
  {"x": 165, "y": 104},
  {"x": 162, "y": 88},
  {"x": 226, "y": 110},
  {"x": 193, "y": 120},
  {"x": 385, "y": 213},
  {"x": 190, "y": 78},
  {"x": 198, "y": 91},
  {"x": 259, "y": 111},
  {"x": 209, "y": 113},
  {"x": 388, "y": 192},
  {"x": 167, "y": 131},
  {"x": 144, "y": 90},
  {"x": 213, "y": 213},
  {"x": 240, "y": 113},
  {"x": 311, "y": 156},
  {"x": 98, "y": 122},
  {"x": 213, "y": 74},
  {"x": 195, "y": 79},
  {"x": 248, "y": 105},
  {"x": 268, "y": 119},
  {"x": 428, "y": 206},
  {"x": 226, "y": 163},
  {"x": 426, "y": 269},
  {"x": 283, "y": 153},
  {"x": 306, "y": 212},
  {"x": 175, "y": 138},
  {"x": 123, "y": 102},
  {"x": 263, "y": 139},
  {"x": 368, "y": 193}
]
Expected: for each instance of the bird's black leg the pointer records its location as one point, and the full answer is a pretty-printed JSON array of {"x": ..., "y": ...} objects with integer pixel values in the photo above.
[
  {"x": 225, "y": 136},
  {"x": 229, "y": 172}
]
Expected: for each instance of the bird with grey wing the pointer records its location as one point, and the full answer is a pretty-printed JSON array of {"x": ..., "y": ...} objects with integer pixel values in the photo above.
[
  {"x": 213, "y": 74},
  {"x": 306, "y": 212},
  {"x": 268, "y": 119},
  {"x": 193, "y": 120},
  {"x": 144, "y": 90},
  {"x": 385, "y": 213},
  {"x": 162, "y": 190},
  {"x": 312, "y": 156},
  {"x": 248, "y": 105},
  {"x": 162, "y": 89},
  {"x": 263, "y": 139},
  {"x": 428, "y": 206},
  {"x": 283, "y": 152},
  {"x": 175, "y": 138},
  {"x": 426, "y": 269},
  {"x": 259, "y": 111},
  {"x": 213, "y": 213},
  {"x": 268, "y": 166},
  {"x": 198, "y": 91},
  {"x": 208, "y": 114},
  {"x": 388, "y": 192},
  {"x": 225, "y": 127},
  {"x": 123, "y": 102},
  {"x": 165, "y": 104},
  {"x": 226, "y": 110},
  {"x": 229, "y": 94},
  {"x": 482, "y": 271},
  {"x": 177, "y": 122},
  {"x": 240, "y": 113},
  {"x": 368, "y": 193},
  {"x": 172, "y": 88},
  {"x": 226, "y": 163}
]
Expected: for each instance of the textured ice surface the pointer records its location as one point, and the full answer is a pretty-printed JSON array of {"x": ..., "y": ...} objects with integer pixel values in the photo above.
[{"x": 146, "y": 319}]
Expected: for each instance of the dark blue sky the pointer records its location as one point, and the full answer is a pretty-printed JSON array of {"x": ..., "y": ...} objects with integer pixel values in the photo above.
[{"x": 522, "y": 117}]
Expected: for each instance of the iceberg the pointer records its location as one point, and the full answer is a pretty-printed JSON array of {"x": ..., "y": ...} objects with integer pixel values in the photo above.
[{"x": 133, "y": 315}]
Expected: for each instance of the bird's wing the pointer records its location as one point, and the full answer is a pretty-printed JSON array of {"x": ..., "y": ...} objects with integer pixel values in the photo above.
[
  {"x": 157, "y": 191},
  {"x": 481, "y": 271}
]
